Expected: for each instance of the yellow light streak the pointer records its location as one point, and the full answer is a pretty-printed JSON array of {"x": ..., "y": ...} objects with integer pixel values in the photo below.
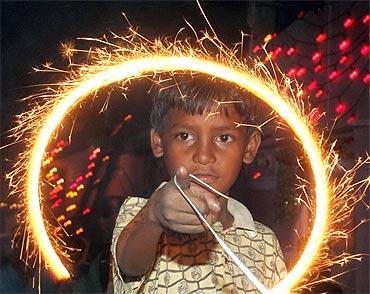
[
  {"x": 140, "y": 57},
  {"x": 71, "y": 207},
  {"x": 137, "y": 67}
]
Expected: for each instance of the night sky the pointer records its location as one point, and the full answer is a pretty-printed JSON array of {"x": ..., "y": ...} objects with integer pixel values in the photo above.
[{"x": 31, "y": 32}]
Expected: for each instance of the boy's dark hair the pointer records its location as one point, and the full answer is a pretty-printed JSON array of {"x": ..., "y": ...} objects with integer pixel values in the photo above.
[{"x": 198, "y": 93}]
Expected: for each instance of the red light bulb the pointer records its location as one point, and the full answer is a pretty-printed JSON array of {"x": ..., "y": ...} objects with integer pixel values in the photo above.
[
  {"x": 128, "y": 117},
  {"x": 312, "y": 86},
  {"x": 292, "y": 72},
  {"x": 316, "y": 56},
  {"x": 60, "y": 143},
  {"x": 343, "y": 59},
  {"x": 256, "y": 49},
  {"x": 290, "y": 51},
  {"x": 366, "y": 19},
  {"x": 277, "y": 51},
  {"x": 354, "y": 74},
  {"x": 319, "y": 93},
  {"x": 348, "y": 22},
  {"x": 86, "y": 211},
  {"x": 341, "y": 107},
  {"x": 344, "y": 44},
  {"x": 321, "y": 37},
  {"x": 333, "y": 74},
  {"x": 318, "y": 68},
  {"x": 365, "y": 50},
  {"x": 301, "y": 72},
  {"x": 257, "y": 175},
  {"x": 366, "y": 78},
  {"x": 352, "y": 118}
]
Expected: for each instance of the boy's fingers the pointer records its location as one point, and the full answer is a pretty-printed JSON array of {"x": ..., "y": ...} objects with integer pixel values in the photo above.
[
  {"x": 188, "y": 229},
  {"x": 182, "y": 178},
  {"x": 210, "y": 198},
  {"x": 200, "y": 204}
]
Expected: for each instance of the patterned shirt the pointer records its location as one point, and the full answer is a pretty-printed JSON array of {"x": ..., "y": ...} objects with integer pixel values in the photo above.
[{"x": 196, "y": 263}]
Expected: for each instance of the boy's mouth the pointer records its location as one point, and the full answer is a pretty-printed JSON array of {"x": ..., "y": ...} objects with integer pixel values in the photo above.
[{"x": 207, "y": 177}]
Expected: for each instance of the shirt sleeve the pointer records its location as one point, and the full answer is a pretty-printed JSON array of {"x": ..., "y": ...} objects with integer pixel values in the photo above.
[{"x": 127, "y": 212}]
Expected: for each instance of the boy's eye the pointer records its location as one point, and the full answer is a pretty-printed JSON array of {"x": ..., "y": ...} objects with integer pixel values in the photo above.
[
  {"x": 224, "y": 138},
  {"x": 185, "y": 136}
]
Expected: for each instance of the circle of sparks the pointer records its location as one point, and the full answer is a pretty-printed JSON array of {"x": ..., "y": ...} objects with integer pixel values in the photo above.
[{"x": 140, "y": 66}]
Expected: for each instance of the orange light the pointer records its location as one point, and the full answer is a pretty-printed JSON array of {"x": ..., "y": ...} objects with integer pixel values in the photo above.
[
  {"x": 79, "y": 231},
  {"x": 71, "y": 207},
  {"x": 269, "y": 37},
  {"x": 67, "y": 223},
  {"x": 128, "y": 117},
  {"x": 80, "y": 187},
  {"x": 88, "y": 175}
]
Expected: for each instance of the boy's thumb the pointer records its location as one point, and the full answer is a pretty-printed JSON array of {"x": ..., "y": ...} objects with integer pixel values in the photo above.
[{"x": 182, "y": 178}]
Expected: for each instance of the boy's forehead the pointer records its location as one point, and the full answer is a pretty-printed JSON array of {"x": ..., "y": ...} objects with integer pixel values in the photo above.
[{"x": 215, "y": 113}]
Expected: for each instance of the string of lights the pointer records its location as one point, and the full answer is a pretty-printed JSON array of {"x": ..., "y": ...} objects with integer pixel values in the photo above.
[{"x": 330, "y": 60}]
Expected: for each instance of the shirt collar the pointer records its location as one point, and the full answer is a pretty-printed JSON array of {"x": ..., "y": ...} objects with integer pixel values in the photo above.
[{"x": 242, "y": 217}]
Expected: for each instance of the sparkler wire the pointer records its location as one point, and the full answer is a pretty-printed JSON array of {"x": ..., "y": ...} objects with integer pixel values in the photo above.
[
  {"x": 232, "y": 255},
  {"x": 136, "y": 68},
  {"x": 204, "y": 184}
]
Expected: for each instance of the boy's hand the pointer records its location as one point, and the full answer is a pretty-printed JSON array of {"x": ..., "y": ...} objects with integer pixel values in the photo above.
[{"x": 171, "y": 210}]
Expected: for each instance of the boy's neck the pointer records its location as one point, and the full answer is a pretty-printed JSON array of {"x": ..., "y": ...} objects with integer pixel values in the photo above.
[{"x": 225, "y": 217}]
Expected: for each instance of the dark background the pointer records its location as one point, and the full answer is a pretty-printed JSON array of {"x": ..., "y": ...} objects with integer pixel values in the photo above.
[{"x": 31, "y": 32}]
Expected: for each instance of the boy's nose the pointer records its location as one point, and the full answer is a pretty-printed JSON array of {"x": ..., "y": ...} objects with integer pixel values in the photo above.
[{"x": 204, "y": 154}]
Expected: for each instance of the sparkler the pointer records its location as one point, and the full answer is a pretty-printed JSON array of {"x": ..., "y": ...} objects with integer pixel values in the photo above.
[{"x": 138, "y": 57}]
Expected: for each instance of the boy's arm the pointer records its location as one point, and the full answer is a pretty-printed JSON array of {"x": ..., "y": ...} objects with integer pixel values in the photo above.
[
  {"x": 166, "y": 209},
  {"x": 137, "y": 244}
]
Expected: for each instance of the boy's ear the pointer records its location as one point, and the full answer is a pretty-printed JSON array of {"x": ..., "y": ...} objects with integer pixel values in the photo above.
[
  {"x": 252, "y": 147},
  {"x": 156, "y": 143}
]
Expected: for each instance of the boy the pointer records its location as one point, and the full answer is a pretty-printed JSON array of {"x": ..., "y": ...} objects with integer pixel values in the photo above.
[{"x": 160, "y": 245}]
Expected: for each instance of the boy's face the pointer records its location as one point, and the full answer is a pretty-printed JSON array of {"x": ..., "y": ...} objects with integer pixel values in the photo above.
[{"x": 211, "y": 148}]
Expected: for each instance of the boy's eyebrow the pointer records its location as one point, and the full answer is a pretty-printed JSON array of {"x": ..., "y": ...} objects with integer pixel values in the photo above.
[{"x": 223, "y": 127}]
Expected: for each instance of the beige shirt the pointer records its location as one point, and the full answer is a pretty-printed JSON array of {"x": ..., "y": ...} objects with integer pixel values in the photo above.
[{"x": 197, "y": 264}]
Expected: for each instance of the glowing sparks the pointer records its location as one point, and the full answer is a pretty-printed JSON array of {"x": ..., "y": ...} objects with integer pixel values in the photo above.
[
  {"x": 138, "y": 58},
  {"x": 67, "y": 50}
]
